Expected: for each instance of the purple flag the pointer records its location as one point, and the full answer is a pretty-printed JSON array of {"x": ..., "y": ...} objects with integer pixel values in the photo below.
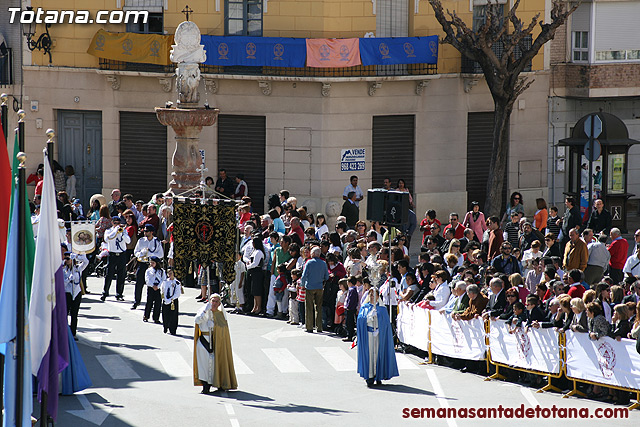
[
  {"x": 56, "y": 359},
  {"x": 48, "y": 309}
]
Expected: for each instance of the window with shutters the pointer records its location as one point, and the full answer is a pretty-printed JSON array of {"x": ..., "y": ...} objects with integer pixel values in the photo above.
[
  {"x": 243, "y": 18},
  {"x": 143, "y": 155},
  {"x": 155, "y": 20},
  {"x": 154, "y": 25},
  {"x": 480, "y": 15},
  {"x": 393, "y": 148},
  {"x": 392, "y": 18},
  {"x": 479, "y": 143},
  {"x": 580, "y": 46},
  {"x": 616, "y": 31},
  {"x": 241, "y": 150}
]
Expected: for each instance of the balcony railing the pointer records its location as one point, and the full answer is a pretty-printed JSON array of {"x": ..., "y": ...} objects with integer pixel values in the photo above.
[
  {"x": 357, "y": 71},
  {"x": 472, "y": 67},
  {"x": 6, "y": 70}
]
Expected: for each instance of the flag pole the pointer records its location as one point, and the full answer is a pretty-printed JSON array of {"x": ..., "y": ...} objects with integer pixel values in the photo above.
[
  {"x": 50, "y": 134},
  {"x": 3, "y": 113},
  {"x": 44, "y": 416},
  {"x": 20, "y": 322},
  {"x": 4, "y": 120}
]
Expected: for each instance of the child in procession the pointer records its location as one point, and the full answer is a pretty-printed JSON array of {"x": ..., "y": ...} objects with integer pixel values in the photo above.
[
  {"x": 171, "y": 290},
  {"x": 73, "y": 267},
  {"x": 154, "y": 276}
]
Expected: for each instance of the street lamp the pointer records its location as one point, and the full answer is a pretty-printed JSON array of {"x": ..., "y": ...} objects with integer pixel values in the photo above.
[{"x": 43, "y": 43}]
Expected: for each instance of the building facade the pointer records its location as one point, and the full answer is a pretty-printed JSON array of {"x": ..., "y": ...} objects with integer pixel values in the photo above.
[
  {"x": 430, "y": 125},
  {"x": 595, "y": 64}
]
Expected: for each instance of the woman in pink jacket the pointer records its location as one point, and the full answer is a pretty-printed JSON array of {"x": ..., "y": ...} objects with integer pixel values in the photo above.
[{"x": 474, "y": 219}]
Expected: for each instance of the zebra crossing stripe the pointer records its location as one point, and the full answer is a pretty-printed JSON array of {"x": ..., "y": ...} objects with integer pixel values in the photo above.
[
  {"x": 240, "y": 367},
  {"x": 117, "y": 367},
  {"x": 284, "y": 360},
  {"x": 337, "y": 358},
  {"x": 174, "y": 364}
]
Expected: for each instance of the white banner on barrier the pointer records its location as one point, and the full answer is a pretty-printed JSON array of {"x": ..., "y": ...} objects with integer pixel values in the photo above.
[
  {"x": 462, "y": 339},
  {"x": 413, "y": 326},
  {"x": 604, "y": 361},
  {"x": 538, "y": 349}
]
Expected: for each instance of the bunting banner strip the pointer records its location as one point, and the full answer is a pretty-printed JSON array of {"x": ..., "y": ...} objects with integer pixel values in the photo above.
[
  {"x": 399, "y": 50},
  {"x": 132, "y": 47},
  {"x": 333, "y": 53},
  {"x": 534, "y": 349},
  {"x": 255, "y": 51},
  {"x": 604, "y": 361}
]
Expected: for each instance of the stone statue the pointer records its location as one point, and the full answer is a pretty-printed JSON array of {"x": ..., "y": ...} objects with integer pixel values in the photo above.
[
  {"x": 188, "y": 119},
  {"x": 188, "y": 53},
  {"x": 332, "y": 210},
  {"x": 188, "y": 47},
  {"x": 188, "y": 82},
  {"x": 311, "y": 206}
]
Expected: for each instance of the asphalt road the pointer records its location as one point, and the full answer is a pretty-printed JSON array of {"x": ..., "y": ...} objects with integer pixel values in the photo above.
[{"x": 142, "y": 377}]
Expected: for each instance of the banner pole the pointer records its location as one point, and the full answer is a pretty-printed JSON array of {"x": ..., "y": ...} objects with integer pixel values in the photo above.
[
  {"x": 20, "y": 321},
  {"x": 4, "y": 120},
  {"x": 4, "y": 111}
]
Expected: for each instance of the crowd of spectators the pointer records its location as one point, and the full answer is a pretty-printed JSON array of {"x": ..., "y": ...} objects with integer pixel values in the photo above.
[{"x": 554, "y": 271}]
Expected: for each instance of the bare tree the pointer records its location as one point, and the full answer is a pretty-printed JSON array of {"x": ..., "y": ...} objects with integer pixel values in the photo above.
[{"x": 502, "y": 73}]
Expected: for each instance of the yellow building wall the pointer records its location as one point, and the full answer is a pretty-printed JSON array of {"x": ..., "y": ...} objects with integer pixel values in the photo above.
[{"x": 284, "y": 18}]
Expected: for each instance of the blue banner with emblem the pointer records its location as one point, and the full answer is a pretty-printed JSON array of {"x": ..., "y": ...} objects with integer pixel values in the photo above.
[
  {"x": 255, "y": 51},
  {"x": 399, "y": 50}
]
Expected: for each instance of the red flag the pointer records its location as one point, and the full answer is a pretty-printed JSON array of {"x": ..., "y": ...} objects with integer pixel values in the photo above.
[
  {"x": 334, "y": 53},
  {"x": 5, "y": 199}
]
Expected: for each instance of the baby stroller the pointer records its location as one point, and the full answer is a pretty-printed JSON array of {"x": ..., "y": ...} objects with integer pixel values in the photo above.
[
  {"x": 100, "y": 261},
  {"x": 101, "y": 266},
  {"x": 132, "y": 266}
]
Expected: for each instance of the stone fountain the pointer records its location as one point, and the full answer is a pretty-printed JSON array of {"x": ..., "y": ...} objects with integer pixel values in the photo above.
[{"x": 187, "y": 119}]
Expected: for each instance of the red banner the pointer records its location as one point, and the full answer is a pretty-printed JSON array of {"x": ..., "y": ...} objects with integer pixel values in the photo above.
[{"x": 333, "y": 53}]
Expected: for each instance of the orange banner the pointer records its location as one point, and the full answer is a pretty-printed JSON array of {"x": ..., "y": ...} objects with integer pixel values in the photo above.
[
  {"x": 132, "y": 47},
  {"x": 333, "y": 53}
]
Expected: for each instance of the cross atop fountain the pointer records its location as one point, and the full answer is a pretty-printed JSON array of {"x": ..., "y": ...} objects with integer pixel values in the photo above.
[{"x": 187, "y": 11}]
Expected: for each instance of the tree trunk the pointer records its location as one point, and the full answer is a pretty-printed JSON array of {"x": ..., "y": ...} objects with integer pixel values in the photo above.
[{"x": 494, "y": 204}]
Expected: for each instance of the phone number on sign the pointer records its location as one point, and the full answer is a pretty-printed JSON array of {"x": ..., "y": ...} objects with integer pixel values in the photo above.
[{"x": 352, "y": 166}]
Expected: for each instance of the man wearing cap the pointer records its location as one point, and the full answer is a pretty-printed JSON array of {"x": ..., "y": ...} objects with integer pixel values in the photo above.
[
  {"x": 117, "y": 239},
  {"x": 146, "y": 248},
  {"x": 77, "y": 208}
]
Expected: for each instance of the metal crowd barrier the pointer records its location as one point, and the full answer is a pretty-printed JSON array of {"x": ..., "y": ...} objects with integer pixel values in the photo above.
[{"x": 617, "y": 362}]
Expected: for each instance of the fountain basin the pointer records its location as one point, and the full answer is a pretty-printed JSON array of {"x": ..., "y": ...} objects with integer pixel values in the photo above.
[
  {"x": 187, "y": 117},
  {"x": 187, "y": 123}
]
